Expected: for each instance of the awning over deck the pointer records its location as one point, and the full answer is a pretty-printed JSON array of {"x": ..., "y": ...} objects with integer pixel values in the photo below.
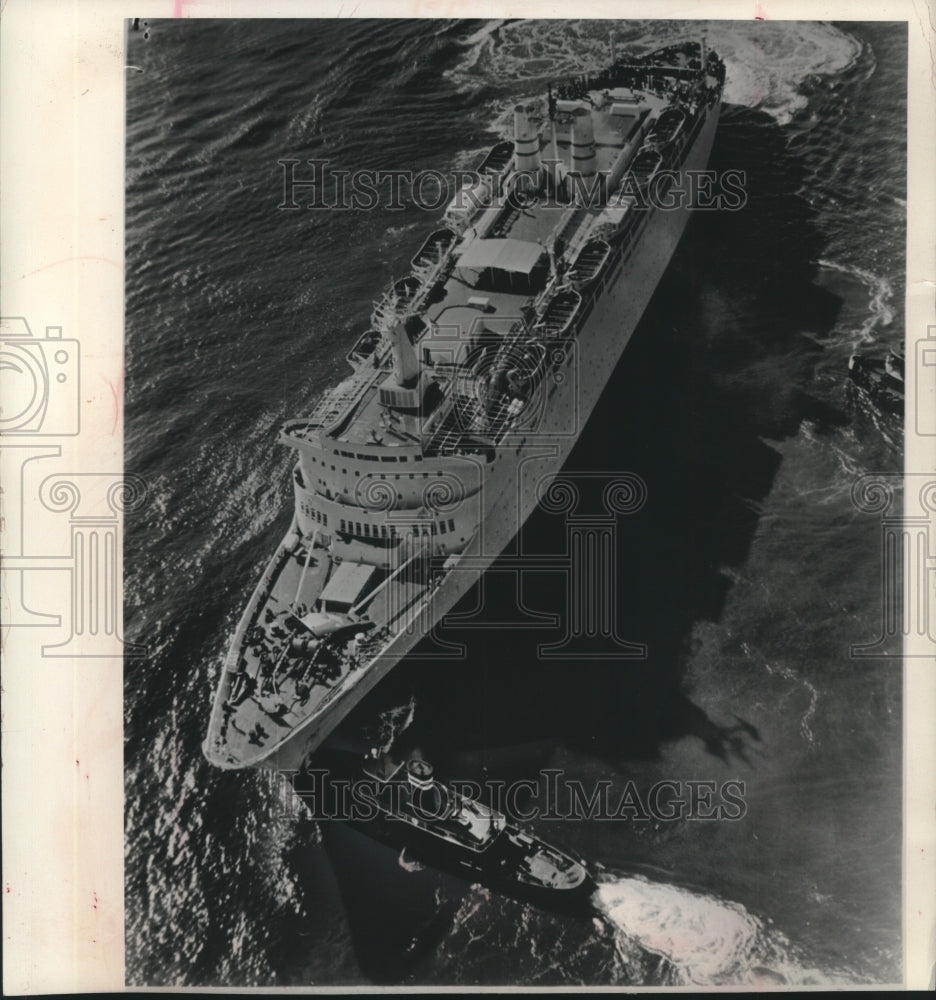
[
  {"x": 515, "y": 256},
  {"x": 346, "y": 585}
]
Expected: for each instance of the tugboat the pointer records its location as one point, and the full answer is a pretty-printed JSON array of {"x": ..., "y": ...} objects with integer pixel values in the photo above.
[
  {"x": 402, "y": 804},
  {"x": 883, "y": 381}
]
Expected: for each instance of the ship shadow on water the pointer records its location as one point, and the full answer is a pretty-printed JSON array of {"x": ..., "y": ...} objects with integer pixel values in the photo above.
[
  {"x": 720, "y": 366},
  {"x": 397, "y": 910}
]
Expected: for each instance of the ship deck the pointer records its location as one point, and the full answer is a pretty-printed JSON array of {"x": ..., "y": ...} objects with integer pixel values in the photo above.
[
  {"x": 504, "y": 273},
  {"x": 267, "y": 691},
  {"x": 456, "y": 307}
]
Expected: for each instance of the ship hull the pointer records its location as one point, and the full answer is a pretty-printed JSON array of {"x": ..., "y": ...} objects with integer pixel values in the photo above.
[
  {"x": 424, "y": 848},
  {"x": 505, "y": 862},
  {"x": 511, "y": 483}
]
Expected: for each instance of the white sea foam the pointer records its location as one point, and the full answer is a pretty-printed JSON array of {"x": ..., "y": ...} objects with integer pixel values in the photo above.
[
  {"x": 766, "y": 62},
  {"x": 392, "y": 233},
  {"x": 796, "y": 678},
  {"x": 709, "y": 941},
  {"x": 880, "y": 293},
  {"x": 408, "y": 866},
  {"x": 391, "y": 722}
]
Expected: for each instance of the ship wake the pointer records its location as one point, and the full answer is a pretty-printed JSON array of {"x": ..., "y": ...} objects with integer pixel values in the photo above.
[
  {"x": 708, "y": 941},
  {"x": 767, "y": 62}
]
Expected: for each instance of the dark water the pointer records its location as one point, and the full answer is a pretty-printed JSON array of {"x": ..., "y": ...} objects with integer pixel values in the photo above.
[{"x": 748, "y": 574}]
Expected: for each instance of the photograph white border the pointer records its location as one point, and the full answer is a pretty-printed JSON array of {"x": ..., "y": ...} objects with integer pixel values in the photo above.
[{"x": 62, "y": 119}]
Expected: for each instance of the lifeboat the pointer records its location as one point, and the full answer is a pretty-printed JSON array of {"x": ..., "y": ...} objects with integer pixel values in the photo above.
[
  {"x": 558, "y": 316},
  {"x": 435, "y": 248},
  {"x": 645, "y": 167},
  {"x": 590, "y": 261},
  {"x": 405, "y": 291},
  {"x": 667, "y": 127},
  {"x": 363, "y": 350},
  {"x": 497, "y": 159}
]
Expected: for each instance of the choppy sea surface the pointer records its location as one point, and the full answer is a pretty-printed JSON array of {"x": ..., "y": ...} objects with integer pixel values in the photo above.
[{"x": 748, "y": 574}]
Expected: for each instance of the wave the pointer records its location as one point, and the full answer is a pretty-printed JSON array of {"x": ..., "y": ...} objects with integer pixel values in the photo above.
[
  {"x": 408, "y": 866},
  {"x": 880, "y": 293},
  {"x": 484, "y": 33},
  {"x": 708, "y": 941},
  {"x": 766, "y": 62},
  {"x": 789, "y": 674}
]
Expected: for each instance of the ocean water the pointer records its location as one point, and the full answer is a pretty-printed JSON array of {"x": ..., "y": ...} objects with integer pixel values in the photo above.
[{"x": 749, "y": 573}]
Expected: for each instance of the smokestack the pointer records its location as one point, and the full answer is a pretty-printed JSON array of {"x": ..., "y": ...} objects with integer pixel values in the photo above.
[
  {"x": 584, "y": 161},
  {"x": 526, "y": 142},
  {"x": 405, "y": 362}
]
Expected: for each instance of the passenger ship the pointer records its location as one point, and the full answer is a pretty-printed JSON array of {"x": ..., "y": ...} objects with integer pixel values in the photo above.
[{"x": 479, "y": 371}]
